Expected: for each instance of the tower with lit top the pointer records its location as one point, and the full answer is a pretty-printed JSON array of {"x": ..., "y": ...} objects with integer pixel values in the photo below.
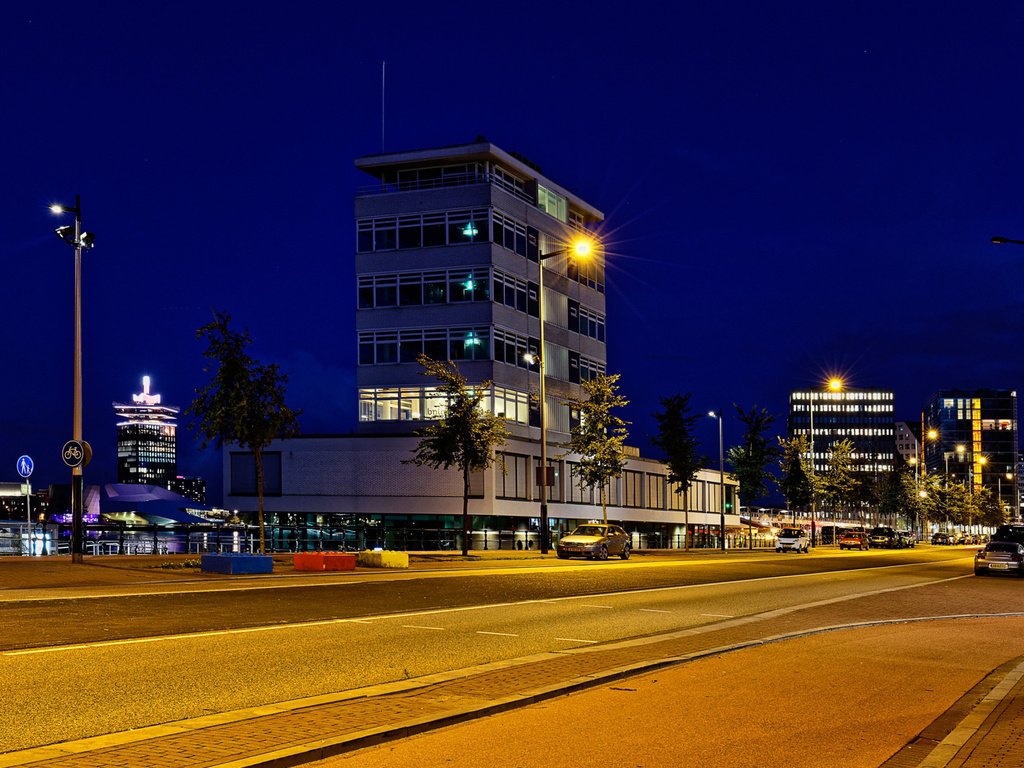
[{"x": 147, "y": 445}]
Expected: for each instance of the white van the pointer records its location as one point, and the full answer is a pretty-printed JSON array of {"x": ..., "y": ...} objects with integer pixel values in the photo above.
[{"x": 792, "y": 540}]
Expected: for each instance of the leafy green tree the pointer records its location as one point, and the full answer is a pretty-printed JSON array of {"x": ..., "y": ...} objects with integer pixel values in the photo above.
[
  {"x": 991, "y": 510},
  {"x": 600, "y": 435},
  {"x": 837, "y": 483},
  {"x": 795, "y": 482},
  {"x": 897, "y": 497},
  {"x": 466, "y": 437},
  {"x": 675, "y": 437},
  {"x": 751, "y": 458},
  {"x": 244, "y": 403}
]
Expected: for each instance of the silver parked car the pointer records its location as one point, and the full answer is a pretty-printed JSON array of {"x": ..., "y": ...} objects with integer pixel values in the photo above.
[
  {"x": 595, "y": 541},
  {"x": 1000, "y": 557}
]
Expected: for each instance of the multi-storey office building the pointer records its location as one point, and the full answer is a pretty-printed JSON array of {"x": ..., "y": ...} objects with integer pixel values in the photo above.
[
  {"x": 908, "y": 441},
  {"x": 450, "y": 243},
  {"x": 147, "y": 443},
  {"x": 863, "y": 416},
  {"x": 975, "y": 439}
]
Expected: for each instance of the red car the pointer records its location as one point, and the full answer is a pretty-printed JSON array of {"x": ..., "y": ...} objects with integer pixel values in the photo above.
[{"x": 854, "y": 540}]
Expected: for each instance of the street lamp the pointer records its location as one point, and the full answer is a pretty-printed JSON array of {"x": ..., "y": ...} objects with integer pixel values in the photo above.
[
  {"x": 721, "y": 468},
  {"x": 75, "y": 237},
  {"x": 1000, "y": 240},
  {"x": 961, "y": 452},
  {"x": 580, "y": 248}
]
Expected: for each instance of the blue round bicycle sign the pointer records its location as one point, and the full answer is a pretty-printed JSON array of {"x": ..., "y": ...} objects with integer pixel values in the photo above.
[{"x": 25, "y": 466}]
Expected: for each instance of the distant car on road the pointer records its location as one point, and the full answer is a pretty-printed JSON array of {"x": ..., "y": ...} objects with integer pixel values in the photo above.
[
  {"x": 885, "y": 537},
  {"x": 594, "y": 541},
  {"x": 854, "y": 540},
  {"x": 908, "y": 538},
  {"x": 792, "y": 539},
  {"x": 1010, "y": 532},
  {"x": 1000, "y": 557},
  {"x": 943, "y": 539}
]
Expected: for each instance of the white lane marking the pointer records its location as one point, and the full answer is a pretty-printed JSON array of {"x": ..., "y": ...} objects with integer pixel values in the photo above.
[
  {"x": 419, "y": 626},
  {"x": 437, "y": 611},
  {"x": 719, "y": 615},
  {"x": 497, "y": 634},
  {"x": 652, "y": 610},
  {"x": 574, "y": 640}
]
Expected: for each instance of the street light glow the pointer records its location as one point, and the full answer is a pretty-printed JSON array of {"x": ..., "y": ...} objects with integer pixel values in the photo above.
[
  {"x": 933, "y": 434},
  {"x": 835, "y": 384},
  {"x": 582, "y": 248},
  {"x": 56, "y": 208}
]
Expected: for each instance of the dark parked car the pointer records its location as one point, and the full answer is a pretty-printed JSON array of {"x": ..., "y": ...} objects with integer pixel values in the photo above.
[
  {"x": 595, "y": 541},
  {"x": 943, "y": 538},
  {"x": 884, "y": 536},
  {"x": 1011, "y": 532},
  {"x": 1000, "y": 557}
]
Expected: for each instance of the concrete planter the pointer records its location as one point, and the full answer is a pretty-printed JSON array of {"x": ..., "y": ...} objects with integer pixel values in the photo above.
[
  {"x": 376, "y": 559},
  {"x": 235, "y": 563},
  {"x": 324, "y": 561}
]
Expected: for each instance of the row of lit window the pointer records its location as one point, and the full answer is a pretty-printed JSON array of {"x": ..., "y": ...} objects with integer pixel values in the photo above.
[
  {"x": 841, "y": 396},
  {"x": 828, "y": 408},
  {"x": 478, "y": 225},
  {"x": 427, "y": 403}
]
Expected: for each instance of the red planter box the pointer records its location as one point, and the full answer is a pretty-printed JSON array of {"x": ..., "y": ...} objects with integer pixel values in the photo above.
[{"x": 324, "y": 561}]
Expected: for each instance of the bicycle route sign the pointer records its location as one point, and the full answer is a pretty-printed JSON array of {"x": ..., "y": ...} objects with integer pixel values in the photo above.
[{"x": 73, "y": 453}]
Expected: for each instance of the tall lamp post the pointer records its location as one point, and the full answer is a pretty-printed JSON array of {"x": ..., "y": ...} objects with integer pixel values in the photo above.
[
  {"x": 75, "y": 237},
  {"x": 580, "y": 249},
  {"x": 721, "y": 469}
]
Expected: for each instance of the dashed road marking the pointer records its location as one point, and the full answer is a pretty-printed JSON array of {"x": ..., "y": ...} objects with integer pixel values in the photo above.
[
  {"x": 499, "y": 634},
  {"x": 419, "y": 626},
  {"x": 574, "y": 640}
]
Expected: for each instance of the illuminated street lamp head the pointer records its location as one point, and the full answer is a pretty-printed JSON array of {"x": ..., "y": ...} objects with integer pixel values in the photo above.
[
  {"x": 913, "y": 460},
  {"x": 835, "y": 384},
  {"x": 531, "y": 359},
  {"x": 713, "y": 414},
  {"x": 933, "y": 434},
  {"x": 961, "y": 449},
  {"x": 56, "y": 208},
  {"x": 581, "y": 248},
  {"x": 983, "y": 460}
]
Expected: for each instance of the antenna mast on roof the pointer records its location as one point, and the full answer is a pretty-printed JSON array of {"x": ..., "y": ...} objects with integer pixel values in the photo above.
[{"x": 383, "y": 64}]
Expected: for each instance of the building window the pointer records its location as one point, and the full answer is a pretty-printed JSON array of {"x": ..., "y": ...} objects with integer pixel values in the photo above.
[
  {"x": 389, "y": 233},
  {"x": 632, "y": 483},
  {"x": 655, "y": 491},
  {"x": 514, "y": 483},
  {"x": 418, "y": 288},
  {"x": 552, "y": 203},
  {"x": 391, "y": 347}
]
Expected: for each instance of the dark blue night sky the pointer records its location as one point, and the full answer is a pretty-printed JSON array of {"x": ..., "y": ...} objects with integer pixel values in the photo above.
[{"x": 790, "y": 191}]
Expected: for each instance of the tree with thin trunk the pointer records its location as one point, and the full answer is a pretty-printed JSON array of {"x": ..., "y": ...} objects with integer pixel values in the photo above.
[
  {"x": 838, "y": 482},
  {"x": 466, "y": 437},
  {"x": 600, "y": 434},
  {"x": 751, "y": 458},
  {"x": 244, "y": 402},
  {"x": 682, "y": 455},
  {"x": 795, "y": 482}
]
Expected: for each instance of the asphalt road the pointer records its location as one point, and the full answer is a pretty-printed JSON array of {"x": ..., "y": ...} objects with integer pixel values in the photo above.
[
  {"x": 126, "y": 662},
  {"x": 174, "y": 608}
]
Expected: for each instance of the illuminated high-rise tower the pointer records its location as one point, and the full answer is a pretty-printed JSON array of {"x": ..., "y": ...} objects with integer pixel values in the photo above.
[{"x": 147, "y": 444}]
